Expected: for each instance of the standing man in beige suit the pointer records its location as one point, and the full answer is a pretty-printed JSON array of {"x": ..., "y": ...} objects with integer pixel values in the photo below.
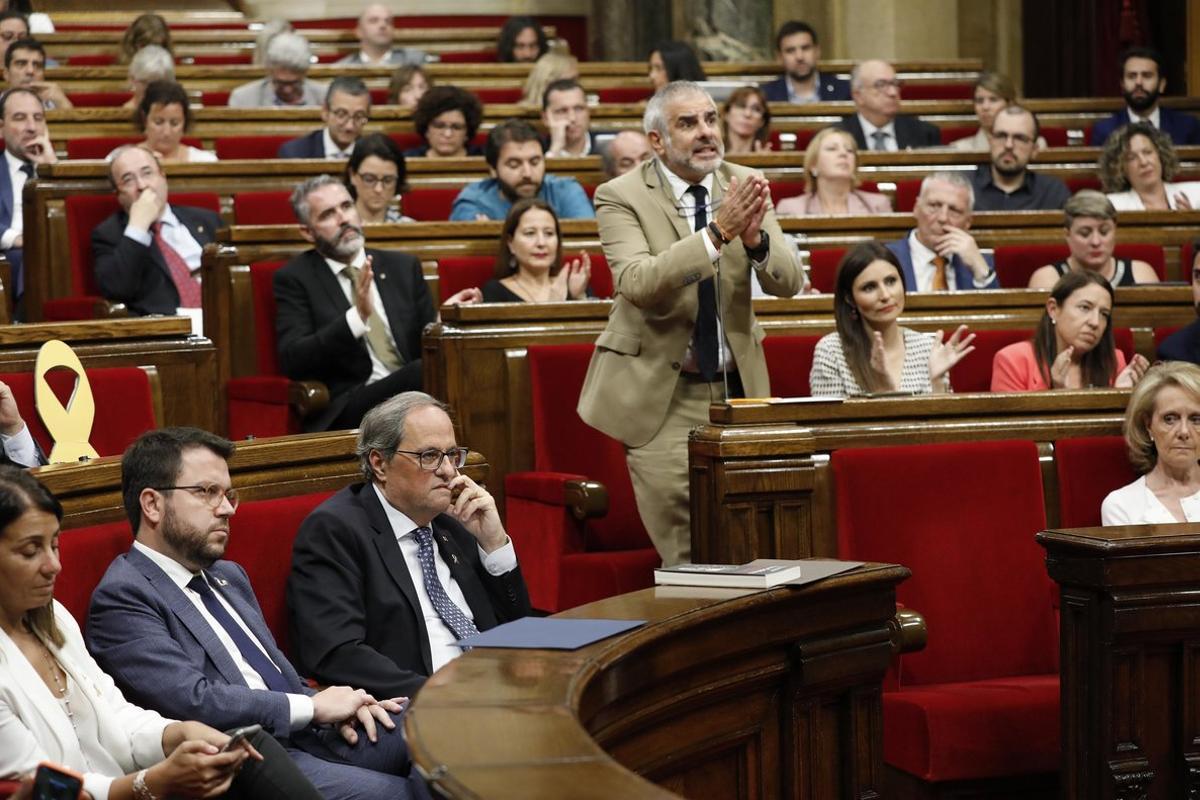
[{"x": 683, "y": 233}]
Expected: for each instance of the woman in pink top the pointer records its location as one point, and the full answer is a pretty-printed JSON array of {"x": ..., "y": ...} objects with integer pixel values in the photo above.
[
  {"x": 1073, "y": 345},
  {"x": 831, "y": 178}
]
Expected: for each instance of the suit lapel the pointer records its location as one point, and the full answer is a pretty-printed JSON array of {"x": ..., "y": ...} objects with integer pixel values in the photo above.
[
  {"x": 328, "y": 281},
  {"x": 189, "y": 615},
  {"x": 6, "y": 195},
  {"x": 393, "y": 560},
  {"x": 660, "y": 190}
]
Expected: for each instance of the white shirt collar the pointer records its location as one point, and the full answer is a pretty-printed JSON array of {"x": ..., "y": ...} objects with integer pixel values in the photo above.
[
  {"x": 178, "y": 573},
  {"x": 168, "y": 218},
  {"x": 814, "y": 95},
  {"x": 331, "y": 148},
  {"x": 338, "y": 267},
  {"x": 917, "y": 249},
  {"x": 402, "y": 524},
  {"x": 868, "y": 129},
  {"x": 386, "y": 58},
  {"x": 679, "y": 186},
  {"x": 1154, "y": 117},
  {"x": 14, "y": 163}
]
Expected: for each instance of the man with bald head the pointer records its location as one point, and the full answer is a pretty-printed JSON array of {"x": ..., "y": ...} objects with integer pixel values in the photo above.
[
  {"x": 376, "y": 38},
  {"x": 878, "y": 123},
  {"x": 626, "y": 150},
  {"x": 685, "y": 234}
]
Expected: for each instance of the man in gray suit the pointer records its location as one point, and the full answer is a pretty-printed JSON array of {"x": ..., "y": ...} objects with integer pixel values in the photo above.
[
  {"x": 180, "y": 630},
  {"x": 286, "y": 84},
  {"x": 376, "y": 37}
]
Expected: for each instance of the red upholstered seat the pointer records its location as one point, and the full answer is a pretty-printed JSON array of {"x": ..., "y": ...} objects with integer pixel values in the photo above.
[
  {"x": 407, "y": 140},
  {"x": 962, "y": 90},
  {"x": 822, "y": 268},
  {"x": 781, "y": 190},
  {"x": 263, "y": 208},
  {"x": 952, "y": 133},
  {"x": 789, "y": 363},
  {"x": 233, "y": 148},
  {"x": 430, "y": 205},
  {"x": 906, "y": 195},
  {"x": 469, "y": 57},
  {"x": 1085, "y": 182},
  {"x": 981, "y": 700},
  {"x": 1088, "y": 469},
  {"x": 499, "y": 94},
  {"x": 974, "y": 373},
  {"x": 260, "y": 540},
  {"x": 624, "y": 95},
  {"x": 101, "y": 146},
  {"x": 217, "y": 97},
  {"x": 84, "y": 213},
  {"x": 1016, "y": 263},
  {"x": 1160, "y": 334},
  {"x": 566, "y": 561},
  {"x": 92, "y": 59},
  {"x": 1057, "y": 136},
  {"x": 98, "y": 100},
  {"x": 85, "y": 554}
]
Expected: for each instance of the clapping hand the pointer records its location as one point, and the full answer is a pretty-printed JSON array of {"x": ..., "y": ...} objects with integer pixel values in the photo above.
[
  {"x": 946, "y": 354},
  {"x": 362, "y": 290},
  {"x": 879, "y": 364},
  {"x": 571, "y": 282},
  {"x": 1061, "y": 368},
  {"x": 1133, "y": 372}
]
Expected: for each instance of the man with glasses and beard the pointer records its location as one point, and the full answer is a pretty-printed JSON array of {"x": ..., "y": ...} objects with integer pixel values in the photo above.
[
  {"x": 345, "y": 315},
  {"x": 1142, "y": 83},
  {"x": 517, "y": 161},
  {"x": 180, "y": 630},
  {"x": 1007, "y": 184},
  {"x": 684, "y": 234}
]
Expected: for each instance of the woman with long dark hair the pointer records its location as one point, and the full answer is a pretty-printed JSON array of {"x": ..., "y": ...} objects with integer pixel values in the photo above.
[
  {"x": 674, "y": 61},
  {"x": 529, "y": 264}
]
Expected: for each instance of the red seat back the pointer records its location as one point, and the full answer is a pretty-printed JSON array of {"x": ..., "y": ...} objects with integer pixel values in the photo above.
[
  {"x": 98, "y": 99},
  {"x": 464, "y": 272},
  {"x": 906, "y": 194},
  {"x": 1016, "y": 263},
  {"x": 1088, "y": 469},
  {"x": 85, "y": 554},
  {"x": 407, "y": 140},
  {"x": 789, "y": 364},
  {"x": 781, "y": 190},
  {"x": 1083, "y": 182},
  {"x": 92, "y": 59},
  {"x": 469, "y": 57},
  {"x": 430, "y": 205},
  {"x": 963, "y": 90},
  {"x": 499, "y": 94},
  {"x": 216, "y": 97},
  {"x": 260, "y": 540},
  {"x": 124, "y": 405},
  {"x": 263, "y": 208},
  {"x": 962, "y": 517},
  {"x": 218, "y": 59},
  {"x": 624, "y": 95},
  {"x": 952, "y": 133},
  {"x": 100, "y": 146},
  {"x": 233, "y": 148},
  {"x": 562, "y": 442},
  {"x": 974, "y": 373},
  {"x": 262, "y": 275},
  {"x": 86, "y": 211},
  {"x": 822, "y": 268}
]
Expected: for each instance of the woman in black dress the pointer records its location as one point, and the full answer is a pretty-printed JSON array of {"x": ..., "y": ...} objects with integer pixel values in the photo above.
[
  {"x": 529, "y": 265},
  {"x": 1091, "y": 223}
]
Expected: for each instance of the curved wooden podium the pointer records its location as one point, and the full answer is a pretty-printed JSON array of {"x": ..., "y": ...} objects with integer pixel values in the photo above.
[{"x": 723, "y": 693}]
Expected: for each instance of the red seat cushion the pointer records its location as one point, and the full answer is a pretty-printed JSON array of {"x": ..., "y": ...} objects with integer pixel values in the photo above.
[
  {"x": 789, "y": 363},
  {"x": 1016, "y": 263},
  {"x": 430, "y": 205},
  {"x": 1088, "y": 469},
  {"x": 233, "y": 148},
  {"x": 263, "y": 208},
  {"x": 407, "y": 140},
  {"x": 463, "y": 272},
  {"x": 935, "y": 732},
  {"x": 216, "y": 97},
  {"x": 218, "y": 59},
  {"x": 92, "y": 59}
]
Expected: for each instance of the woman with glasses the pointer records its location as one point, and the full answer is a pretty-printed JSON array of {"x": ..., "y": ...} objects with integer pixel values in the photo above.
[
  {"x": 375, "y": 177},
  {"x": 746, "y": 122},
  {"x": 447, "y": 117}
]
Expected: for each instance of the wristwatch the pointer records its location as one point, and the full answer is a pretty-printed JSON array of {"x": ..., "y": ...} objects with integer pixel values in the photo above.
[
  {"x": 760, "y": 252},
  {"x": 140, "y": 790}
]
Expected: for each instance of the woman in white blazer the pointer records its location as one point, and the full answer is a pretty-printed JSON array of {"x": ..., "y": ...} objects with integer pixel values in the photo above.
[{"x": 57, "y": 705}]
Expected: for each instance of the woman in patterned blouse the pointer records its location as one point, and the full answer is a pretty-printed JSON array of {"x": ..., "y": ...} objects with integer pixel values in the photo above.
[{"x": 871, "y": 352}]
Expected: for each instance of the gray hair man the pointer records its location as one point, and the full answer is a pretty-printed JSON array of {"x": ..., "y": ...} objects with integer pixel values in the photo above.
[
  {"x": 878, "y": 123},
  {"x": 286, "y": 83}
]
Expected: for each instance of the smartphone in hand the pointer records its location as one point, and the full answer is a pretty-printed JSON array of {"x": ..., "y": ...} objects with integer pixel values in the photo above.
[
  {"x": 239, "y": 735},
  {"x": 53, "y": 782}
]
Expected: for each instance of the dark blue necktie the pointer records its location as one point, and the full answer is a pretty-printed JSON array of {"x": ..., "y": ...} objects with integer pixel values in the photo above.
[
  {"x": 270, "y": 674},
  {"x": 704, "y": 338},
  {"x": 458, "y": 622}
]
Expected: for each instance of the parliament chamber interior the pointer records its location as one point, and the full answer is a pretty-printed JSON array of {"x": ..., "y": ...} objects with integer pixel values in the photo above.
[{"x": 944, "y": 358}]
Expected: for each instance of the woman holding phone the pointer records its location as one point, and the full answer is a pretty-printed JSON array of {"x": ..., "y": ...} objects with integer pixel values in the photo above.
[{"x": 58, "y": 706}]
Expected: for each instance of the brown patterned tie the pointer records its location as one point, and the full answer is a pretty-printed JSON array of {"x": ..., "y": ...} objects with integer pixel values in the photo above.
[
  {"x": 377, "y": 336},
  {"x": 939, "y": 283}
]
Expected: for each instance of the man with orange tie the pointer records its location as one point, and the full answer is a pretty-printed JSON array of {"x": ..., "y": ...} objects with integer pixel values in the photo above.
[
  {"x": 147, "y": 254},
  {"x": 940, "y": 254}
]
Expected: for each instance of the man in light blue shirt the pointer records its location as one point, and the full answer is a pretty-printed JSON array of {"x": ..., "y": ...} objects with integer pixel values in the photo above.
[{"x": 518, "y": 166}]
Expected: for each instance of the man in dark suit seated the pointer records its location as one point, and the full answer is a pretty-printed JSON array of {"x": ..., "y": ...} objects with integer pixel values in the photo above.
[
  {"x": 346, "y": 111},
  {"x": 798, "y": 50},
  {"x": 1142, "y": 83},
  {"x": 26, "y": 144},
  {"x": 147, "y": 254},
  {"x": 345, "y": 315},
  {"x": 180, "y": 630},
  {"x": 940, "y": 254},
  {"x": 1184, "y": 344},
  {"x": 878, "y": 123},
  {"x": 388, "y": 574}
]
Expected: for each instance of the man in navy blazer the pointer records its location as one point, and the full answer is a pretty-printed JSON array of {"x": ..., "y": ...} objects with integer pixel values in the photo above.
[
  {"x": 346, "y": 111},
  {"x": 939, "y": 254},
  {"x": 180, "y": 630},
  {"x": 26, "y": 144},
  {"x": 1142, "y": 83},
  {"x": 1184, "y": 344},
  {"x": 798, "y": 50},
  {"x": 878, "y": 123},
  {"x": 389, "y": 574}
]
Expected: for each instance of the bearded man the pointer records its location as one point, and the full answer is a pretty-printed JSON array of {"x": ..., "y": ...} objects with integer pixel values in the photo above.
[
  {"x": 1142, "y": 84},
  {"x": 345, "y": 315},
  {"x": 683, "y": 233}
]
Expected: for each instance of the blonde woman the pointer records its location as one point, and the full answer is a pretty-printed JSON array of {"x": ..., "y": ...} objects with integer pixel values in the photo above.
[{"x": 831, "y": 180}]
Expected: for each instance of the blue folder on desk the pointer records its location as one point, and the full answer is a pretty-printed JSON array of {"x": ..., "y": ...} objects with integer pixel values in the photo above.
[{"x": 550, "y": 633}]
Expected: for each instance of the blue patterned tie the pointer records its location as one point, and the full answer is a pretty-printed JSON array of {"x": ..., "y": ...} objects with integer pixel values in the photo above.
[
  {"x": 704, "y": 337},
  {"x": 270, "y": 674},
  {"x": 458, "y": 622}
]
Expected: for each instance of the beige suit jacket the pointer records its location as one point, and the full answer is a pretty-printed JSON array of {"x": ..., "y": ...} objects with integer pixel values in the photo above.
[{"x": 657, "y": 261}]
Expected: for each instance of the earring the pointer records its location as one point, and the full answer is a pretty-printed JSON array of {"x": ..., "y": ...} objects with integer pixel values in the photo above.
[
  {"x": 512, "y": 263},
  {"x": 1053, "y": 321},
  {"x": 814, "y": 173},
  {"x": 853, "y": 312}
]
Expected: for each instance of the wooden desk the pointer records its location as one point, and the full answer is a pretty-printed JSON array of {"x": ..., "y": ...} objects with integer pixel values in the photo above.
[
  {"x": 187, "y": 365},
  {"x": 761, "y": 482},
  {"x": 722, "y": 693},
  {"x": 1129, "y": 623}
]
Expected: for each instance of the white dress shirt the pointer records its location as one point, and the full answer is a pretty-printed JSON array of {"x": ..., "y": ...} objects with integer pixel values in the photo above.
[
  {"x": 176, "y": 234},
  {"x": 358, "y": 328},
  {"x": 442, "y": 647},
  {"x": 17, "y": 179},
  {"x": 891, "y": 143},
  {"x": 1154, "y": 118},
  {"x": 1136, "y": 504},
  {"x": 301, "y": 706},
  {"x": 923, "y": 268},
  {"x": 20, "y": 448},
  {"x": 331, "y": 148}
]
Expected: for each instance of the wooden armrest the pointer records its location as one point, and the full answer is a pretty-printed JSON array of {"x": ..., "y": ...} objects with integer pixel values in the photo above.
[
  {"x": 308, "y": 396},
  {"x": 908, "y": 631},
  {"x": 586, "y": 498}
]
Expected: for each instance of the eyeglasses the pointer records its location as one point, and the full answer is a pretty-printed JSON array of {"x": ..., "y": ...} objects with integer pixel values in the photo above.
[
  {"x": 431, "y": 459},
  {"x": 359, "y": 117},
  {"x": 457, "y": 127},
  {"x": 386, "y": 181},
  {"x": 883, "y": 86},
  {"x": 1016, "y": 138},
  {"x": 210, "y": 493}
]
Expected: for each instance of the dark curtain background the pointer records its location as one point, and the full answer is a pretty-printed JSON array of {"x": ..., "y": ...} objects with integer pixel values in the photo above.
[{"x": 1071, "y": 47}]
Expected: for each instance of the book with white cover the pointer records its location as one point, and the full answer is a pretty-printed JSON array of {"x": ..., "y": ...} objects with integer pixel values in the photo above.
[{"x": 762, "y": 573}]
